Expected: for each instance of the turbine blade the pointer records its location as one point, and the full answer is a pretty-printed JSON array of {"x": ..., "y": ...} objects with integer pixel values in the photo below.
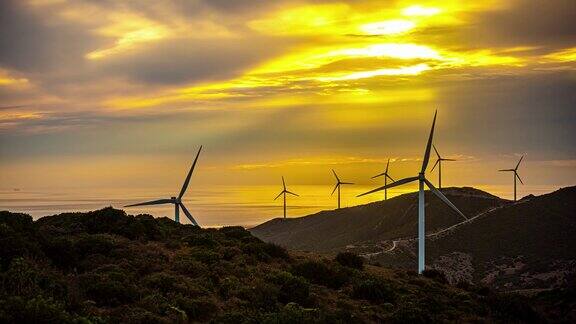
[
  {"x": 387, "y": 165},
  {"x": 347, "y": 183},
  {"x": 153, "y": 202},
  {"x": 507, "y": 170},
  {"x": 294, "y": 194},
  {"x": 378, "y": 175},
  {"x": 280, "y": 194},
  {"x": 440, "y": 195},
  {"x": 337, "y": 179},
  {"x": 517, "y": 176},
  {"x": 283, "y": 183},
  {"x": 192, "y": 220},
  {"x": 335, "y": 187},
  {"x": 391, "y": 185},
  {"x": 449, "y": 160},
  {"x": 435, "y": 164},
  {"x": 389, "y": 177},
  {"x": 187, "y": 181},
  {"x": 517, "y": 165},
  {"x": 428, "y": 146},
  {"x": 435, "y": 150}
]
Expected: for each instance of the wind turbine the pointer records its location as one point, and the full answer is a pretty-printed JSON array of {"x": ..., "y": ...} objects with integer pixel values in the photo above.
[
  {"x": 515, "y": 170},
  {"x": 284, "y": 192},
  {"x": 338, "y": 184},
  {"x": 422, "y": 180},
  {"x": 386, "y": 177},
  {"x": 439, "y": 164},
  {"x": 177, "y": 201}
]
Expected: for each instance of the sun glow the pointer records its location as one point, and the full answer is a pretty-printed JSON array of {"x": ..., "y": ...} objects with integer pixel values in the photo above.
[{"x": 389, "y": 27}]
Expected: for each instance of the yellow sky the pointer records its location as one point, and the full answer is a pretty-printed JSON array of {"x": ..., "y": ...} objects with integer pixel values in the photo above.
[{"x": 282, "y": 87}]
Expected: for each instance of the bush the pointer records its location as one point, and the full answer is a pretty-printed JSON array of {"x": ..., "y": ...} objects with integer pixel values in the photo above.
[
  {"x": 351, "y": 260},
  {"x": 235, "y": 232},
  {"x": 265, "y": 251},
  {"x": 320, "y": 273},
  {"x": 292, "y": 288},
  {"x": 435, "y": 275},
  {"x": 374, "y": 290},
  {"x": 106, "y": 291},
  {"x": 201, "y": 239},
  {"x": 197, "y": 309},
  {"x": 37, "y": 309},
  {"x": 95, "y": 244}
]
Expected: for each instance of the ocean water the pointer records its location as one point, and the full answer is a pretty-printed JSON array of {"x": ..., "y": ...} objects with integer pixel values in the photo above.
[{"x": 211, "y": 206}]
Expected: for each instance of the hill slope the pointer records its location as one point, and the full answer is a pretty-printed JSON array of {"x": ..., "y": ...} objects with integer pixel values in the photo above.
[
  {"x": 330, "y": 231},
  {"x": 527, "y": 245},
  {"x": 105, "y": 266}
]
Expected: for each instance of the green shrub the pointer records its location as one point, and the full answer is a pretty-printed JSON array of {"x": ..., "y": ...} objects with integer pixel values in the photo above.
[
  {"x": 320, "y": 273},
  {"x": 292, "y": 288},
  {"x": 197, "y": 309},
  {"x": 351, "y": 260},
  {"x": 435, "y": 275},
  {"x": 265, "y": 251},
  {"x": 106, "y": 291},
  {"x": 201, "y": 239},
  {"x": 95, "y": 244},
  {"x": 37, "y": 309},
  {"x": 374, "y": 290},
  {"x": 235, "y": 232}
]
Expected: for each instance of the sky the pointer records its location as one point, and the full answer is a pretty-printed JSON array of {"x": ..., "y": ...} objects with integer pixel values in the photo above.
[{"x": 101, "y": 95}]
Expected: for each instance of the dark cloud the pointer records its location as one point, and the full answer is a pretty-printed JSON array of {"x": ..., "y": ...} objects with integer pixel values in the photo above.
[
  {"x": 30, "y": 44},
  {"x": 186, "y": 60},
  {"x": 528, "y": 22}
]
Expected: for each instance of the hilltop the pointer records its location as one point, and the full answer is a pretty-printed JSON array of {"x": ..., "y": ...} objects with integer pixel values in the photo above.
[
  {"x": 335, "y": 230},
  {"x": 106, "y": 266}
]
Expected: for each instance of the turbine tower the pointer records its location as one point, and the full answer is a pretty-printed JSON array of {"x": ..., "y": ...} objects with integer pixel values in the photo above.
[
  {"x": 284, "y": 192},
  {"x": 386, "y": 177},
  {"x": 515, "y": 170},
  {"x": 422, "y": 180},
  {"x": 177, "y": 201},
  {"x": 439, "y": 164},
  {"x": 338, "y": 184}
]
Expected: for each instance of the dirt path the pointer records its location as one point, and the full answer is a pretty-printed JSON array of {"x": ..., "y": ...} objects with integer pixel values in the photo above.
[{"x": 445, "y": 231}]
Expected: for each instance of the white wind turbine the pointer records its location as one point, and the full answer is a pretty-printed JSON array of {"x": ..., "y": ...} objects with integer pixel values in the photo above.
[
  {"x": 338, "y": 184},
  {"x": 439, "y": 164},
  {"x": 386, "y": 177},
  {"x": 422, "y": 180},
  {"x": 515, "y": 170},
  {"x": 284, "y": 192},
  {"x": 177, "y": 201}
]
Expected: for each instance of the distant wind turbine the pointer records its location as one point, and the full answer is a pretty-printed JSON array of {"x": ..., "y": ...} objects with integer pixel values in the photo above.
[
  {"x": 515, "y": 170},
  {"x": 422, "y": 180},
  {"x": 177, "y": 201},
  {"x": 284, "y": 192},
  {"x": 386, "y": 177},
  {"x": 439, "y": 164},
  {"x": 338, "y": 184}
]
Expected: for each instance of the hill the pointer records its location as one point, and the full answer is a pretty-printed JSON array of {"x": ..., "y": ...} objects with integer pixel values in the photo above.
[
  {"x": 105, "y": 266},
  {"x": 367, "y": 225},
  {"x": 527, "y": 245}
]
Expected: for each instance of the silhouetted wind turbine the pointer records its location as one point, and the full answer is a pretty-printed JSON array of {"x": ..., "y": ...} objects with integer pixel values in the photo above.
[
  {"x": 386, "y": 177},
  {"x": 284, "y": 192},
  {"x": 515, "y": 170},
  {"x": 177, "y": 201},
  {"x": 439, "y": 164},
  {"x": 338, "y": 184},
  {"x": 422, "y": 180}
]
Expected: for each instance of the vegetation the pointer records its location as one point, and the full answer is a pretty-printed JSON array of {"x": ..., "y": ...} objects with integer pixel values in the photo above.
[{"x": 105, "y": 266}]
